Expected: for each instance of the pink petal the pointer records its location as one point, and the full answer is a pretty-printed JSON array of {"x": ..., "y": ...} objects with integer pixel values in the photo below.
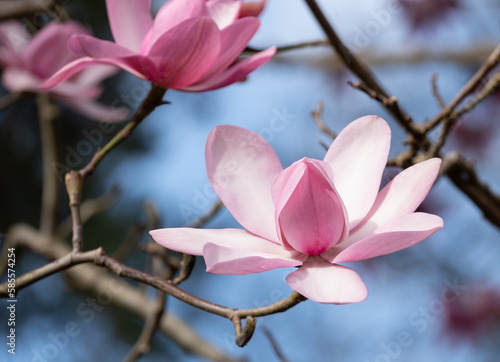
[
  {"x": 401, "y": 196},
  {"x": 224, "y": 12},
  {"x": 358, "y": 157},
  {"x": 309, "y": 212},
  {"x": 94, "y": 75},
  {"x": 183, "y": 54},
  {"x": 13, "y": 41},
  {"x": 171, "y": 14},
  {"x": 192, "y": 241},
  {"x": 399, "y": 233},
  {"x": 131, "y": 65},
  {"x": 236, "y": 73},
  {"x": 85, "y": 45},
  {"x": 129, "y": 22},
  {"x": 96, "y": 111},
  {"x": 323, "y": 282},
  {"x": 241, "y": 167},
  {"x": 254, "y": 255},
  {"x": 20, "y": 80},
  {"x": 252, "y": 8},
  {"x": 234, "y": 40},
  {"x": 47, "y": 52}
]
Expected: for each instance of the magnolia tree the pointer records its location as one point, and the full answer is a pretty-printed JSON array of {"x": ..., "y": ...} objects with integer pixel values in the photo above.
[{"x": 308, "y": 218}]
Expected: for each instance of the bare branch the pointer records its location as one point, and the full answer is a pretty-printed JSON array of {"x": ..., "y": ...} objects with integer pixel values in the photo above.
[
  {"x": 148, "y": 105},
  {"x": 93, "y": 280},
  {"x": 47, "y": 114},
  {"x": 274, "y": 344},
  {"x": 490, "y": 63},
  {"x": 317, "y": 116},
  {"x": 435, "y": 91}
]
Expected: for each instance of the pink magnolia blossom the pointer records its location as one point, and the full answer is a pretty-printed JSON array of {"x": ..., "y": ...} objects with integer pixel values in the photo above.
[
  {"x": 28, "y": 62},
  {"x": 314, "y": 214},
  {"x": 192, "y": 45}
]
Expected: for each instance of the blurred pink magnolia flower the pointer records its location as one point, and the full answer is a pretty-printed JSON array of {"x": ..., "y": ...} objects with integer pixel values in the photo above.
[
  {"x": 314, "y": 213},
  {"x": 28, "y": 62},
  {"x": 192, "y": 45}
]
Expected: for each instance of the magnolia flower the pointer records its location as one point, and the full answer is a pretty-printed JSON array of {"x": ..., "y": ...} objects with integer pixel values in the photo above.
[
  {"x": 314, "y": 214},
  {"x": 192, "y": 45},
  {"x": 29, "y": 62}
]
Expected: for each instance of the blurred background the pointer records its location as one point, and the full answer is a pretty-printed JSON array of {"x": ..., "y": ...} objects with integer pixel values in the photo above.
[{"x": 436, "y": 301}]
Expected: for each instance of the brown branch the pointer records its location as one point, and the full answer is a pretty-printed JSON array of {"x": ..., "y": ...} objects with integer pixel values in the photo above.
[
  {"x": 122, "y": 270},
  {"x": 89, "y": 208},
  {"x": 74, "y": 185},
  {"x": 274, "y": 345},
  {"x": 317, "y": 116},
  {"x": 463, "y": 175},
  {"x": 286, "y": 48},
  {"x": 490, "y": 87},
  {"x": 143, "y": 344},
  {"x": 19, "y": 8},
  {"x": 47, "y": 114},
  {"x": 361, "y": 70},
  {"x": 93, "y": 280},
  {"x": 207, "y": 217},
  {"x": 148, "y": 105},
  {"x": 490, "y": 63},
  {"x": 435, "y": 91}
]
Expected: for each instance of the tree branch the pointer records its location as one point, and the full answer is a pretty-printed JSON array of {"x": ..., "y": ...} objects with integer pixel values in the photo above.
[
  {"x": 93, "y": 280},
  {"x": 148, "y": 105}
]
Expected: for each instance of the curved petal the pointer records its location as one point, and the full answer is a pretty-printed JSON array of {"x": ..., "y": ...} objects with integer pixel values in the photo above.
[
  {"x": 234, "y": 40},
  {"x": 224, "y": 12},
  {"x": 20, "y": 80},
  {"x": 358, "y": 157},
  {"x": 399, "y": 233},
  {"x": 171, "y": 14},
  {"x": 241, "y": 167},
  {"x": 93, "y": 76},
  {"x": 97, "y": 111},
  {"x": 13, "y": 40},
  {"x": 129, "y": 22},
  {"x": 254, "y": 255},
  {"x": 130, "y": 64},
  {"x": 88, "y": 46},
  {"x": 192, "y": 241},
  {"x": 309, "y": 212},
  {"x": 237, "y": 72},
  {"x": 252, "y": 8},
  {"x": 183, "y": 54},
  {"x": 47, "y": 52},
  {"x": 401, "y": 196},
  {"x": 323, "y": 282}
]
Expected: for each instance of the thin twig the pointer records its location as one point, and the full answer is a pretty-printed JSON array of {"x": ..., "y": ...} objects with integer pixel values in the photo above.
[
  {"x": 491, "y": 62},
  {"x": 207, "y": 217},
  {"x": 148, "y": 105},
  {"x": 47, "y": 114},
  {"x": 317, "y": 116},
  {"x": 74, "y": 185},
  {"x": 274, "y": 345},
  {"x": 90, "y": 279},
  {"x": 143, "y": 344},
  {"x": 286, "y": 48},
  {"x": 362, "y": 70},
  {"x": 122, "y": 270},
  {"x": 89, "y": 208},
  {"x": 489, "y": 88},
  {"x": 435, "y": 91}
]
